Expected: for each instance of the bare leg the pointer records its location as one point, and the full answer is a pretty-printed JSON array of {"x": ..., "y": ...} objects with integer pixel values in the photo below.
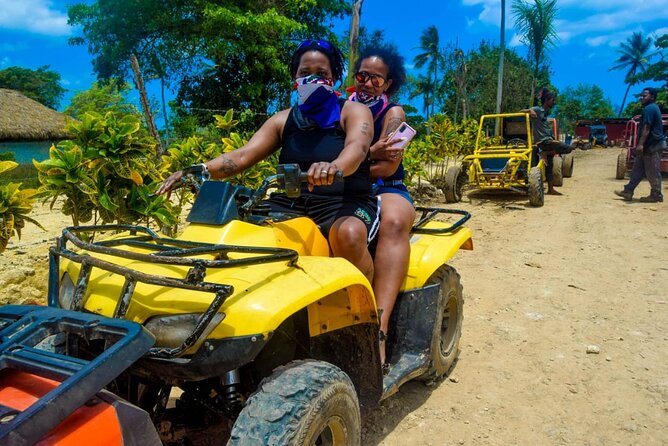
[
  {"x": 392, "y": 253},
  {"x": 348, "y": 239}
]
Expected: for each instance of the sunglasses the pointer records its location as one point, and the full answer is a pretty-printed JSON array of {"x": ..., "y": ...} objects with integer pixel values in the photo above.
[
  {"x": 376, "y": 79},
  {"x": 321, "y": 43}
]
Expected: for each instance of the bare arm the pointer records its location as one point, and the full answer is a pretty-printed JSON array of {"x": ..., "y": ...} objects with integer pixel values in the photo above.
[
  {"x": 387, "y": 160},
  {"x": 357, "y": 122},
  {"x": 264, "y": 142}
]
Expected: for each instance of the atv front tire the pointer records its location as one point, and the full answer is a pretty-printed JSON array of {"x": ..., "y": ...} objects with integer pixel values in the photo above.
[
  {"x": 536, "y": 187},
  {"x": 567, "y": 166},
  {"x": 621, "y": 164},
  {"x": 301, "y": 403},
  {"x": 448, "y": 327},
  {"x": 557, "y": 171},
  {"x": 454, "y": 184}
]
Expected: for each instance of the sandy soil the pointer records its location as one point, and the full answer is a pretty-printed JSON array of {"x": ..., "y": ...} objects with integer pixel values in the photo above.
[{"x": 565, "y": 322}]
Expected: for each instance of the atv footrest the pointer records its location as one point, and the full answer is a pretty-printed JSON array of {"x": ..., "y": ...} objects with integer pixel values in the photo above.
[{"x": 27, "y": 335}]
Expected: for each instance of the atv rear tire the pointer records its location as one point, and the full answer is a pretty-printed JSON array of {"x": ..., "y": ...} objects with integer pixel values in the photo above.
[
  {"x": 301, "y": 403},
  {"x": 448, "y": 327},
  {"x": 557, "y": 171},
  {"x": 536, "y": 187},
  {"x": 621, "y": 164},
  {"x": 454, "y": 184},
  {"x": 567, "y": 166}
]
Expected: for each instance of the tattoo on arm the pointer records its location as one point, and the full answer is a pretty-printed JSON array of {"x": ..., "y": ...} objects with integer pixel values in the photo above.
[
  {"x": 365, "y": 128},
  {"x": 228, "y": 167},
  {"x": 392, "y": 125}
]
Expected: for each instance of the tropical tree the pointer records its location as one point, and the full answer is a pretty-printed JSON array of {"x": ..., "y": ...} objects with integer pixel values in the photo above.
[
  {"x": 433, "y": 57},
  {"x": 535, "y": 25},
  {"x": 582, "y": 101},
  {"x": 42, "y": 84},
  {"x": 658, "y": 71},
  {"x": 635, "y": 56},
  {"x": 481, "y": 87},
  {"x": 102, "y": 97}
]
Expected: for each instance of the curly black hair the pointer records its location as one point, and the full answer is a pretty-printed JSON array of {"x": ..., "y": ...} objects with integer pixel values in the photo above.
[
  {"x": 544, "y": 94},
  {"x": 327, "y": 48},
  {"x": 394, "y": 62}
]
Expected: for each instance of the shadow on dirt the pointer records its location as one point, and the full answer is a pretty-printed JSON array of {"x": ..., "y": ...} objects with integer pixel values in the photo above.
[{"x": 385, "y": 418}]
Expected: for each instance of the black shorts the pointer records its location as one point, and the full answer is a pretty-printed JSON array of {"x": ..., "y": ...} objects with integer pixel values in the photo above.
[{"x": 325, "y": 210}]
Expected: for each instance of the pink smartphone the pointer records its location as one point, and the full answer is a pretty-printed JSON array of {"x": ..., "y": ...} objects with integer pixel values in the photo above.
[{"x": 404, "y": 131}]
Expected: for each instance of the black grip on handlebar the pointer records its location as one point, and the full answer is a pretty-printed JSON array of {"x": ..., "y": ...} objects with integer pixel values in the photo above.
[{"x": 338, "y": 177}]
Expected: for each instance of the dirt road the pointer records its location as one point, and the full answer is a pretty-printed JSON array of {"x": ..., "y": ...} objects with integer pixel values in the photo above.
[{"x": 543, "y": 286}]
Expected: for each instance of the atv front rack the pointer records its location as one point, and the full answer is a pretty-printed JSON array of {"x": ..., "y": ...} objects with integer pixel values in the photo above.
[
  {"x": 25, "y": 332},
  {"x": 166, "y": 251},
  {"x": 429, "y": 213}
]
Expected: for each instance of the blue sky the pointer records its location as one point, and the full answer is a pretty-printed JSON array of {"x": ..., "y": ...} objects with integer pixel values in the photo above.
[{"x": 34, "y": 33}]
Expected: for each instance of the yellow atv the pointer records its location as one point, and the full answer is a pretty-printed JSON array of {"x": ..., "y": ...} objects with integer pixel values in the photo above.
[{"x": 261, "y": 337}]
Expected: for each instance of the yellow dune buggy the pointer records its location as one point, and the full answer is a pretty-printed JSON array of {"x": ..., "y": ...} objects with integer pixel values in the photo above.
[
  {"x": 506, "y": 161},
  {"x": 261, "y": 337}
]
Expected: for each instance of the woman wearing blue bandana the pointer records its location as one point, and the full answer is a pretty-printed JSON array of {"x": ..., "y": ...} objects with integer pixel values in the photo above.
[
  {"x": 379, "y": 73},
  {"x": 324, "y": 136}
]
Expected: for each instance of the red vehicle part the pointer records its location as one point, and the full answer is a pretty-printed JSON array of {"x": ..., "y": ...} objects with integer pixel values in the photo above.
[
  {"x": 48, "y": 398},
  {"x": 631, "y": 136}
]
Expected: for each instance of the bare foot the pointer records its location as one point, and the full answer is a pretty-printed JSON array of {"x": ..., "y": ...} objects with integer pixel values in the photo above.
[{"x": 553, "y": 192}]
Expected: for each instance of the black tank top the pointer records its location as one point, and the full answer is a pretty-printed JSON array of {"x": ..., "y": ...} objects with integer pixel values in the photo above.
[{"x": 304, "y": 143}]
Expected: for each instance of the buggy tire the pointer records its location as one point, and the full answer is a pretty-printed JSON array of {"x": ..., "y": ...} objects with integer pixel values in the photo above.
[
  {"x": 302, "y": 403},
  {"x": 536, "y": 187},
  {"x": 567, "y": 165},
  {"x": 621, "y": 164},
  {"x": 454, "y": 184},
  {"x": 557, "y": 171},
  {"x": 448, "y": 327}
]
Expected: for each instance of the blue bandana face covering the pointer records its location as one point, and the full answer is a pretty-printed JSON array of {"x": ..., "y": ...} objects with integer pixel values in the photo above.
[{"x": 317, "y": 101}]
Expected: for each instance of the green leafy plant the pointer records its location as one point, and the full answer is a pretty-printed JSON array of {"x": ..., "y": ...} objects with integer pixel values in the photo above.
[
  {"x": 108, "y": 171},
  {"x": 447, "y": 142},
  {"x": 15, "y": 205}
]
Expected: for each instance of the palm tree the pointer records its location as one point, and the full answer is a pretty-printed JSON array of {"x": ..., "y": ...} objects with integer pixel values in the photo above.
[
  {"x": 423, "y": 86},
  {"x": 634, "y": 57},
  {"x": 535, "y": 24},
  {"x": 429, "y": 44}
]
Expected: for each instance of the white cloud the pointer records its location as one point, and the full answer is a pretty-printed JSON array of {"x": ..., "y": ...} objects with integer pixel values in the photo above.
[
  {"x": 34, "y": 16},
  {"x": 4, "y": 62},
  {"x": 596, "y": 22}
]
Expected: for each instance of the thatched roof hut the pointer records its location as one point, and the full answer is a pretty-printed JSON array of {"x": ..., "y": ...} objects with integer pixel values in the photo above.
[{"x": 23, "y": 119}]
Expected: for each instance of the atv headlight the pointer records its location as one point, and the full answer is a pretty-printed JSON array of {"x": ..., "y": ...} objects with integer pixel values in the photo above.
[
  {"x": 172, "y": 331},
  {"x": 66, "y": 292}
]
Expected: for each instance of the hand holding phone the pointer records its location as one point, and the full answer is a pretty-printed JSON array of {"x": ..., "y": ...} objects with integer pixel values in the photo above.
[{"x": 402, "y": 135}]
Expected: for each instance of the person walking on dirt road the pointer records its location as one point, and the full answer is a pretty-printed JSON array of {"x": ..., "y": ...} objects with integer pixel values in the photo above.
[
  {"x": 651, "y": 142},
  {"x": 543, "y": 137}
]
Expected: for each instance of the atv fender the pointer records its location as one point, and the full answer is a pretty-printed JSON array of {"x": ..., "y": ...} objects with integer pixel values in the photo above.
[
  {"x": 430, "y": 251},
  {"x": 335, "y": 293}
]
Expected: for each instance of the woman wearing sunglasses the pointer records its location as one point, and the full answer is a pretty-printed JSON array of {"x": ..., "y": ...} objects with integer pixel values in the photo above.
[
  {"x": 324, "y": 135},
  {"x": 379, "y": 73}
]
